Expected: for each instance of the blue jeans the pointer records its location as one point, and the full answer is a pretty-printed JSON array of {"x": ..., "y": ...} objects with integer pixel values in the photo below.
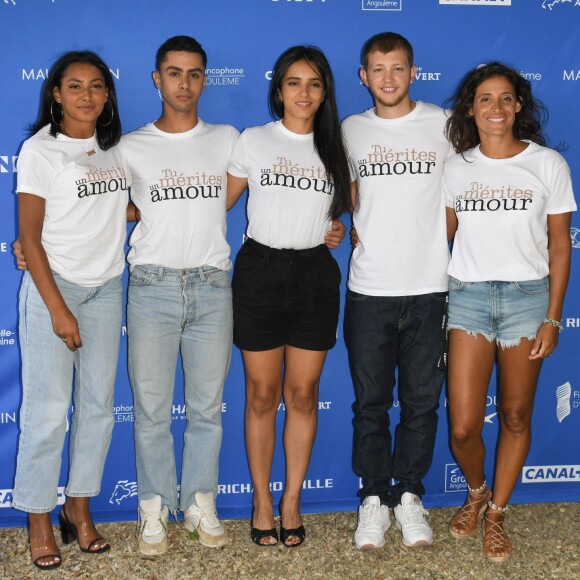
[
  {"x": 384, "y": 333},
  {"x": 171, "y": 311},
  {"x": 47, "y": 382}
]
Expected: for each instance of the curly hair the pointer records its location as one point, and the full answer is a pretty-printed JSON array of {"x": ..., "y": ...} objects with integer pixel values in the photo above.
[{"x": 461, "y": 130}]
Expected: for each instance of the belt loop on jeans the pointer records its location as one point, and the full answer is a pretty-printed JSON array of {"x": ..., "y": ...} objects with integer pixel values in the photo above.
[
  {"x": 160, "y": 274},
  {"x": 202, "y": 274}
]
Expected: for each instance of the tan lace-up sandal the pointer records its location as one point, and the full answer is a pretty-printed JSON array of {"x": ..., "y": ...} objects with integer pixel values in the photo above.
[
  {"x": 497, "y": 545},
  {"x": 464, "y": 523}
]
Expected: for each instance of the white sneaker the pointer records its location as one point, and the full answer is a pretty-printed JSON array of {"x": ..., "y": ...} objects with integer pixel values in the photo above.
[
  {"x": 373, "y": 522},
  {"x": 153, "y": 527},
  {"x": 411, "y": 519},
  {"x": 201, "y": 517}
]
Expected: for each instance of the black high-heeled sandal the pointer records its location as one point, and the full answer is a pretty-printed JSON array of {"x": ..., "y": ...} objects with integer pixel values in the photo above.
[
  {"x": 258, "y": 535},
  {"x": 69, "y": 532},
  {"x": 286, "y": 533},
  {"x": 298, "y": 532},
  {"x": 36, "y": 561}
]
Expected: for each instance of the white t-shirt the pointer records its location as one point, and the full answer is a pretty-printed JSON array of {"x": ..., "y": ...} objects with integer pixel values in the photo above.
[
  {"x": 289, "y": 193},
  {"x": 400, "y": 213},
  {"x": 179, "y": 185},
  {"x": 502, "y": 208},
  {"x": 86, "y": 197}
]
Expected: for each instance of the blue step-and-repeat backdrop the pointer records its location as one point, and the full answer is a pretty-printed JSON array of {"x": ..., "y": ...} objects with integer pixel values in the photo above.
[{"x": 541, "y": 38}]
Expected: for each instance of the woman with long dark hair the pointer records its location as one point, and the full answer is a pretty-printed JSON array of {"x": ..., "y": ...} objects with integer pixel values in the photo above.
[
  {"x": 72, "y": 199},
  {"x": 286, "y": 283},
  {"x": 509, "y": 201}
]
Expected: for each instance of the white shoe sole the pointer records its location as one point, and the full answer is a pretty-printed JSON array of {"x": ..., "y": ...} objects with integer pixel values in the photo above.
[
  {"x": 207, "y": 540},
  {"x": 417, "y": 544},
  {"x": 153, "y": 549},
  {"x": 368, "y": 547}
]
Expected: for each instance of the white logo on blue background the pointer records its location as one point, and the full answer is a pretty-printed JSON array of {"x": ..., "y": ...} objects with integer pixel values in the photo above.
[
  {"x": 123, "y": 490},
  {"x": 549, "y": 4},
  {"x": 454, "y": 479},
  {"x": 382, "y": 5},
  {"x": 550, "y": 473},
  {"x": 563, "y": 395},
  {"x": 575, "y": 237}
]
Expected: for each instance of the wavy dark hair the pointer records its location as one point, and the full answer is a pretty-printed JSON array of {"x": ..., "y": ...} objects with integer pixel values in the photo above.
[
  {"x": 108, "y": 134},
  {"x": 461, "y": 129},
  {"x": 328, "y": 140}
]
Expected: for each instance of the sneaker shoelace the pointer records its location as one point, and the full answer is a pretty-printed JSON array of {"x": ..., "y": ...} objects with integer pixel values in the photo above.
[
  {"x": 152, "y": 524},
  {"x": 415, "y": 514},
  {"x": 209, "y": 516},
  {"x": 369, "y": 514}
]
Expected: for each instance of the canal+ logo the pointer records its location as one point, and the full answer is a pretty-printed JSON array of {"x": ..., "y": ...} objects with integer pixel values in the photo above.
[{"x": 551, "y": 473}]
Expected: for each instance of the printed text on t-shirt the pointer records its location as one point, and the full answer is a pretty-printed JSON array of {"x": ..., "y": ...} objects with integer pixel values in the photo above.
[
  {"x": 174, "y": 185},
  {"x": 386, "y": 161},
  {"x": 285, "y": 173},
  {"x": 98, "y": 180}
]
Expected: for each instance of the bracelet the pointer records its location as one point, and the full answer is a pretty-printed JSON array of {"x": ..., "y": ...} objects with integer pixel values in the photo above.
[{"x": 554, "y": 323}]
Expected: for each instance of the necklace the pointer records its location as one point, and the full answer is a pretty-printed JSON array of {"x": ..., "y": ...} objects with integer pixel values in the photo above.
[{"x": 90, "y": 152}]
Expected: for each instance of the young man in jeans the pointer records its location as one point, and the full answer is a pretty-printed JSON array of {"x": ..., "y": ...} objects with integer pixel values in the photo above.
[
  {"x": 396, "y": 291},
  {"x": 179, "y": 298}
]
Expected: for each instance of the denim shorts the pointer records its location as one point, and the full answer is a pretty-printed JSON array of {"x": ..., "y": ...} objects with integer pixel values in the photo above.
[{"x": 503, "y": 312}]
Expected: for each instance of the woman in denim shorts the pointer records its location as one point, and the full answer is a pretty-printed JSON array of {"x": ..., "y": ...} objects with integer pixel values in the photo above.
[
  {"x": 286, "y": 284},
  {"x": 509, "y": 202}
]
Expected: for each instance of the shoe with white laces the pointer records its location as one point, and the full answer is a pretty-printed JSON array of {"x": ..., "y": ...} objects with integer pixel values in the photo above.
[
  {"x": 373, "y": 522},
  {"x": 411, "y": 519},
  {"x": 201, "y": 517},
  {"x": 153, "y": 527}
]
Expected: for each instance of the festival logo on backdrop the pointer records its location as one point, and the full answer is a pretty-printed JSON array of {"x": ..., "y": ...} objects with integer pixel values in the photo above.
[
  {"x": 575, "y": 236},
  {"x": 224, "y": 76},
  {"x": 123, "y": 490},
  {"x": 551, "y": 4},
  {"x": 382, "y": 5},
  {"x": 563, "y": 396},
  {"x": 454, "y": 479}
]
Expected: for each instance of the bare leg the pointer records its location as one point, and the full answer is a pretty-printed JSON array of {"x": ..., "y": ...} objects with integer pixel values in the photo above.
[
  {"x": 518, "y": 382},
  {"x": 43, "y": 549},
  {"x": 301, "y": 379},
  {"x": 263, "y": 393},
  {"x": 471, "y": 360},
  {"x": 76, "y": 512}
]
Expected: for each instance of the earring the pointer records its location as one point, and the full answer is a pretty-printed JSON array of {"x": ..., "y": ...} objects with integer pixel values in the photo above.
[
  {"x": 112, "y": 115},
  {"x": 160, "y": 94},
  {"x": 52, "y": 113},
  {"x": 279, "y": 98},
  {"x": 322, "y": 100}
]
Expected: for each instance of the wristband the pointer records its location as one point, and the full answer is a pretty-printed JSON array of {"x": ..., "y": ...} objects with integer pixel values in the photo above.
[{"x": 554, "y": 323}]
